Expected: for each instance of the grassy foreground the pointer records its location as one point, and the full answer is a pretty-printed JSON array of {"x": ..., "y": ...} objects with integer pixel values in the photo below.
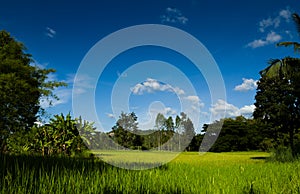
[{"x": 244, "y": 172}]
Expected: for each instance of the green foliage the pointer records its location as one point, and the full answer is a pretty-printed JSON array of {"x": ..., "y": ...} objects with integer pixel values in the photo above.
[
  {"x": 62, "y": 136},
  {"x": 239, "y": 134},
  {"x": 167, "y": 135},
  {"x": 125, "y": 131},
  {"x": 277, "y": 100},
  {"x": 21, "y": 88},
  {"x": 282, "y": 154}
]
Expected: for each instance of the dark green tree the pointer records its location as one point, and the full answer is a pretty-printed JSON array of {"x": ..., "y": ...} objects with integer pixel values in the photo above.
[
  {"x": 278, "y": 95},
  {"x": 237, "y": 134},
  {"x": 22, "y": 86},
  {"x": 169, "y": 124},
  {"x": 125, "y": 131},
  {"x": 278, "y": 99}
]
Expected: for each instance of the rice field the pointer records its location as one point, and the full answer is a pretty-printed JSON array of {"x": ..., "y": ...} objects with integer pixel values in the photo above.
[{"x": 241, "y": 172}]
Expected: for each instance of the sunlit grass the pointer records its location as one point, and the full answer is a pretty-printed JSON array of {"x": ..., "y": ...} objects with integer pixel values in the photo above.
[{"x": 187, "y": 173}]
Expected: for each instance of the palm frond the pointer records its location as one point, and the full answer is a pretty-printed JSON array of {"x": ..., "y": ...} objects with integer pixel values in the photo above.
[
  {"x": 296, "y": 18},
  {"x": 296, "y": 45}
]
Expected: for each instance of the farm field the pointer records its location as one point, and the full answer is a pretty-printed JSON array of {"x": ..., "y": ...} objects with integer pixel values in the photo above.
[{"x": 236, "y": 172}]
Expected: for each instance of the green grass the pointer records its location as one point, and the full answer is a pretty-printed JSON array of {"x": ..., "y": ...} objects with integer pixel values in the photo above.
[{"x": 188, "y": 173}]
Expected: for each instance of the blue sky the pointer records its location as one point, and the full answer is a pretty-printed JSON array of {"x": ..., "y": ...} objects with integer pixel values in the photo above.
[{"x": 240, "y": 35}]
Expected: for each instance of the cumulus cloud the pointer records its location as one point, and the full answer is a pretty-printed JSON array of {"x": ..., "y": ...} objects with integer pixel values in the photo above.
[
  {"x": 247, "y": 85},
  {"x": 152, "y": 85},
  {"x": 223, "y": 109},
  {"x": 50, "y": 32},
  {"x": 195, "y": 101},
  {"x": 173, "y": 15},
  {"x": 247, "y": 110},
  {"x": 271, "y": 38}
]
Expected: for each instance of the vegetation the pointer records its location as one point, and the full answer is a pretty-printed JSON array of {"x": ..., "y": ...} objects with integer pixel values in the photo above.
[
  {"x": 189, "y": 173},
  {"x": 36, "y": 159},
  {"x": 278, "y": 96},
  {"x": 167, "y": 135},
  {"x": 238, "y": 134},
  {"x": 22, "y": 86},
  {"x": 62, "y": 136}
]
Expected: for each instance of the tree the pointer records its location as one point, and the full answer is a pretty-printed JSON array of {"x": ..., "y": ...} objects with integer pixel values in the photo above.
[
  {"x": 125, "y": 131},
  {"x": 278, "y": 99},
  {"x": 237, "y": 134},
  {"x": 22, "y": 86},
  {"x": 278, "y": 94},
  {"x": 160, "y": 122},
  {"x": 169, "y": 124}
]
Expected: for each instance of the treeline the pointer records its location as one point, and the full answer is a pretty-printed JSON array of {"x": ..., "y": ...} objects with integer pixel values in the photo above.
[
  {"x": 178, "y": 134},
  {"x": 168, "y": 134}
]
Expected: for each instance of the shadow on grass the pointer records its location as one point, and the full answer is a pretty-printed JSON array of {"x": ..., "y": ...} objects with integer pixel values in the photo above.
[
  {"x": 37, "y": 164},
  {"x": 48, "y": 164},
  {"x": 260, "y": 158}
]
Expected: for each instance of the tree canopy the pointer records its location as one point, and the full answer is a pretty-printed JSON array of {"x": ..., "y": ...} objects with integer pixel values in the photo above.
[
  {"x": 278, "y": 96},
  {"x": 22, "y": 85}
]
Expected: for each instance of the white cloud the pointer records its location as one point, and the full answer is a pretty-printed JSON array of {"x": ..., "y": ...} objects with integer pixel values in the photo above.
[
  {"x": 265, "y": 23},
  {"x": 223, "y": 109},
  {"x": 169, "y": 111},
  {"x": 276, "y": 21},
  {"x": 152, "y": 85},
  {"x": 173, "y": 15},
  {"x": 271, "y": 38},
  {"x": 271, "y": 24},
  {"x": 286, "y": 14},
  {"x": 247, "y": 110},
  {"x": 195, "y": 101},
  {"x": 248, "y": 84},
  {"x": 50, "y": 32},
  {"x": 109, "y": 115}
]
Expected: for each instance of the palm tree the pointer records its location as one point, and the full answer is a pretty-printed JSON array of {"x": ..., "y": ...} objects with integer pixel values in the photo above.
[
  {"x": 288, "y": 71},
  {"x": 282, "y": 68},
  {"x": 285, "y": 68},
  {"x": 296, "y": 45}
]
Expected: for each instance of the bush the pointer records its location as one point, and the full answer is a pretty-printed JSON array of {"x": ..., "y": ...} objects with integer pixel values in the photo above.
[{"x": 282, "y": 154}]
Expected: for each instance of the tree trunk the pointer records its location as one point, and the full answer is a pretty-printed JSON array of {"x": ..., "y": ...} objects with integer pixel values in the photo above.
[{"x": 291, "y": 136}]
